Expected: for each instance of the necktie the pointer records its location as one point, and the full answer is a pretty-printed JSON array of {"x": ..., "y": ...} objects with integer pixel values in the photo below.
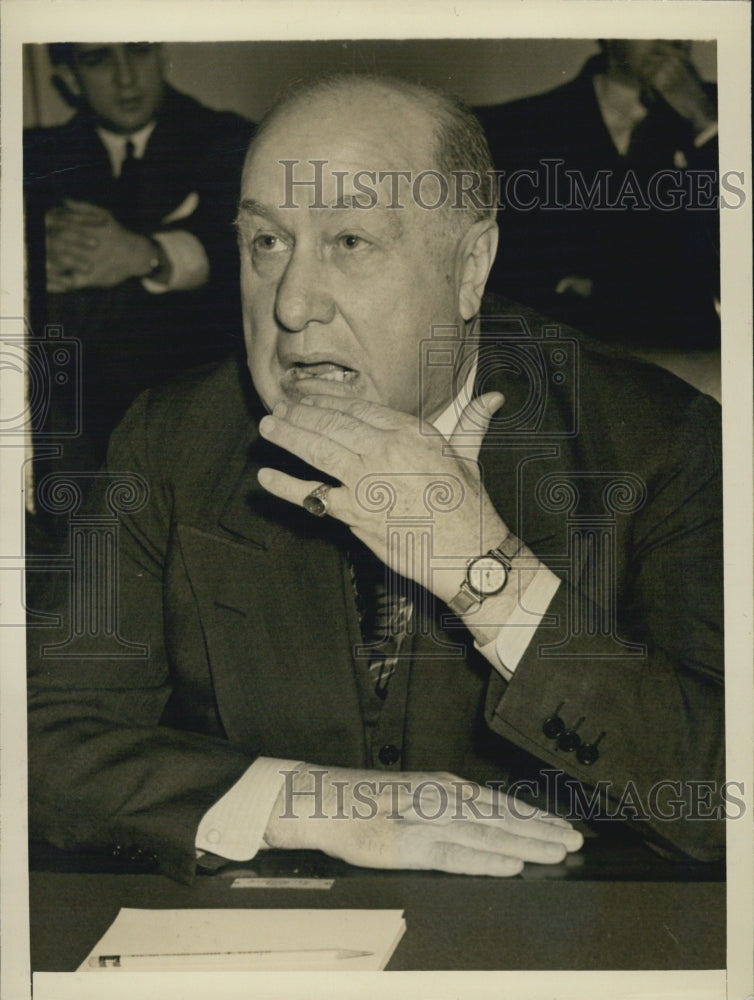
[
  {"x": 656, "y": 137},
  {"x": 642, "y": 143},
  {"x": 386, "y": 610},
  {"x": 128, "y": 187}
]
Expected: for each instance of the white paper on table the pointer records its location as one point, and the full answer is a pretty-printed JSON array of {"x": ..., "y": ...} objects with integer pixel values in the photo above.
[{"x": 211, "y": 938}]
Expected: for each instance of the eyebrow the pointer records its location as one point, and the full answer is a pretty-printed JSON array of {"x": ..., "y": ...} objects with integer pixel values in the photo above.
[{"x": 250, "y": 206}]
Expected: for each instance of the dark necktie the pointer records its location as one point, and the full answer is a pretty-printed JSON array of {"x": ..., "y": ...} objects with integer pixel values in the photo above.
[
  {"x": 128, "y": 184},
  {"x": 642, "y": 146},
  {"x": 655, "y": 137},
  {"x": 385, "y": 608}
]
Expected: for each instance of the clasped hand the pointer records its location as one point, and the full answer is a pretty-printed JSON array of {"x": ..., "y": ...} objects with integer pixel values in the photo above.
[
  {"x": 86, "y": 247},
  {"x": 677, "y": 82},
  {"x": 395, "y": 471},
  {"x": 414, "y": 820}
]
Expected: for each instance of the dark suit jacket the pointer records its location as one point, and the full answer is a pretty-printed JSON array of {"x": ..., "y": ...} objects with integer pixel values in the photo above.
[
  {"x": 130, "y": 338},
  {"x": 246, "y": 619},
  {"x": 655, "y": 272}
]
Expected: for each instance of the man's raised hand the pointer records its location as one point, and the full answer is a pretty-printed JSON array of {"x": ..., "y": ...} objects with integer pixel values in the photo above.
[{"x": 391, "y": 467}]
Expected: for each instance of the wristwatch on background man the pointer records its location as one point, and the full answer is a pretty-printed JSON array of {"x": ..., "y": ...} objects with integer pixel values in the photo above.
[
  {"x": 158, "y": 263},
  {"x": 485, "y": 575}
]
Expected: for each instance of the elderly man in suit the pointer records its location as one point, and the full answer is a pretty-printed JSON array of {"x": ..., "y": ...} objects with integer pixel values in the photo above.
[
  {"x": 417, "y": 561},
  {"x": 130, "y": 206}
]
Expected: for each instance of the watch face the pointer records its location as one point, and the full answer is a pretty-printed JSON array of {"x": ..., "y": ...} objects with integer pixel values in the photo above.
[{"x": 486, "y": 576}]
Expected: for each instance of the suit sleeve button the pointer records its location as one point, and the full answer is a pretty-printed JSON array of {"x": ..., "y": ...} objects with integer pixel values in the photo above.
[
  {"x": 588, "y": 752},
  {"x": 389, "y": 754},
  {"x": 553, "y": 727},
  {"x": 569, "y": 741}
]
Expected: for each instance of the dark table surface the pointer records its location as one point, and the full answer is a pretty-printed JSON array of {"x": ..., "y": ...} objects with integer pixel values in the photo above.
[{"x": 615, "y": 905}]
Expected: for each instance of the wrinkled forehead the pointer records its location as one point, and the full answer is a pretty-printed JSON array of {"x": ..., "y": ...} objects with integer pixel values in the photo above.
[{"x": 340, "y": 142}]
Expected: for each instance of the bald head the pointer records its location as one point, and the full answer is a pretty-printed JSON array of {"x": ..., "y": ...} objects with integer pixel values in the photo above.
[{"x": 408, "y": 128}]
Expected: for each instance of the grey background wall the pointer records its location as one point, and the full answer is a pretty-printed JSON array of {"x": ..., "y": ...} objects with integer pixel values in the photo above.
[{"x": 246, "y": 76}]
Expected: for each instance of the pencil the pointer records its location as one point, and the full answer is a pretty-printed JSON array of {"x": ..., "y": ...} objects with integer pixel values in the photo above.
[{"x": 252, "y": 958}]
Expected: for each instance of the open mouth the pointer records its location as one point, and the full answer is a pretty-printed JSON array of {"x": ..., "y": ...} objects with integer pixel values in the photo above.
[{"x": 326, "y": 371}]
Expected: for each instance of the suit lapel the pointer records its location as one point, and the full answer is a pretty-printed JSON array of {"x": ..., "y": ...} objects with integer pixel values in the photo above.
[
  {"x": 274, "y": 593},
  {"x": 523, "y": 441}
]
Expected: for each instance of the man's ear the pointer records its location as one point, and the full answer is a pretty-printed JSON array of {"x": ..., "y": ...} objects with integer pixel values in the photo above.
[
  {"x": 65, "y": 77},
  {"x": 65, "y": 82},
  {"x": 476, "y": 253}
]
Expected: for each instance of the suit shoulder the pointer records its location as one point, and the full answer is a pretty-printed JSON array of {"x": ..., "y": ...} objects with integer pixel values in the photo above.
[
  {"x": 542, "y": 122},
  {"x": 50, "y": 139},
  {"x": 185, "y": 112},
  {"x": 646, "y": 410},
  {"x": 45, "y": 133},
  {"x": 189, "y": 422},
  {"x": 604, "y": 370},
  {"x": 208, "y": 395},
  {"x": 643, "y": 380},
  {"x": 624, "y": 409},
  {"x": 206, "y": 145},
  {"x": 537, "y": 107},
  {"x": 52, "y": 152}
]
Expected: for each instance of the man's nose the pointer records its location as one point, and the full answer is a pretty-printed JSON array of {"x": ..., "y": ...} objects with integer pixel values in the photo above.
[
  {"x": 303, "y": 296},
  {"x": 124, "y": 70}
]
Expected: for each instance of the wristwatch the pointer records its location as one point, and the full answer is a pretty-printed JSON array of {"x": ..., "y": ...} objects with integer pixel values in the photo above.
[
  {"x": 157, "y": 260},
  {"x": 485, "y": 575}
]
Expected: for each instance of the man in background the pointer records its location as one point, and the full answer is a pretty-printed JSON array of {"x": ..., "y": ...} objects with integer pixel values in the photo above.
[
  {"x": 609, "y": 217},
  {"x": 131, "y": 248}
]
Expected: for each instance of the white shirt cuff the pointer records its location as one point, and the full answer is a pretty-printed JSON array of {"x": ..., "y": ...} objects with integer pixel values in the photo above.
[
  {"x": 505, "y": 651},
  {"x": 189, "y": 266},
  {"x": 234, "y": 826}
]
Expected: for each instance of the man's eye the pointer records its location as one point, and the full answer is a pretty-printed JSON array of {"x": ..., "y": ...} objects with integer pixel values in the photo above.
[
  {"x": 351, "y": 242},
  {"x": 268, "y": 243}
]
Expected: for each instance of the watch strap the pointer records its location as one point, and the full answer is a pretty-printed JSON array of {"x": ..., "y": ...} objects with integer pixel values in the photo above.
[
  {"x": 464, "y": 600},
  {"x": 509, "y": 548}
]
